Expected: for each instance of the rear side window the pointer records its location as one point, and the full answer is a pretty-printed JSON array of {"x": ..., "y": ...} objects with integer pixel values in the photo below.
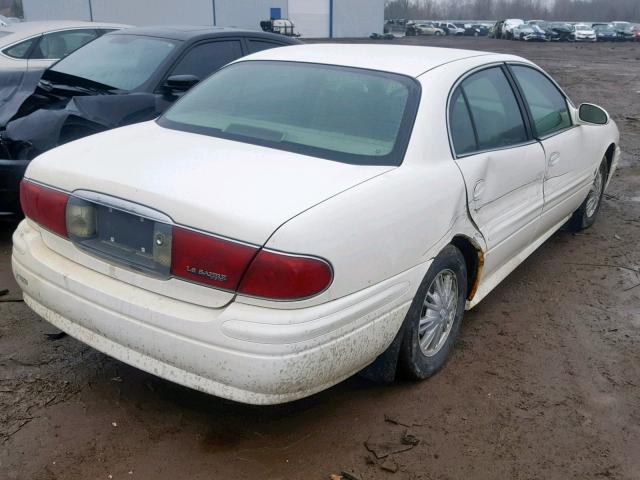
[
  {"x": 259, "y": 45},
  {"x": 204, "y": 59},
  {"x": 546, "y": 103},
  {"x": 20, "y": 50},
  {"x": 494, "y": 110},
  {"x": 57, "y": 45}
]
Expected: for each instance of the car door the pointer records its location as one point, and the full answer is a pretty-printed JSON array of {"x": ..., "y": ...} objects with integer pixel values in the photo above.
[
  {"x": 502, "y": 166},
  {"x": 56, "y": 45},
  {"x": 571, "y": 160}
]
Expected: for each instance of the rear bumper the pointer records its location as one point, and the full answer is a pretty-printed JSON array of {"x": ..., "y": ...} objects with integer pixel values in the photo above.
[
  {"x": 240, "y": 352},
  {"x": 11, "y": 172}
]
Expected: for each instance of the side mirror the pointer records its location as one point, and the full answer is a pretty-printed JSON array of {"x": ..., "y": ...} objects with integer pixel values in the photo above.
[
  {"x": 181, "y": 83},
  {"x": 592, "y": 114}
]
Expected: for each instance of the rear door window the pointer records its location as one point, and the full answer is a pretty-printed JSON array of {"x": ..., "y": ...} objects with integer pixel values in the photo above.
[
  {"x": 57, "y": 45},
  {"x": 494, "y": 110},
  {"x": 546, "y": 103},
  {"x": 259, "y": 45},
  {"x": 20, "y": 50},
  {"x": 204, "y": 59}
]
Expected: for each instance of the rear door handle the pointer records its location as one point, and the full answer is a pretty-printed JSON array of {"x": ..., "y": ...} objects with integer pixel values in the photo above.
[{"x": 554, "y": 158}]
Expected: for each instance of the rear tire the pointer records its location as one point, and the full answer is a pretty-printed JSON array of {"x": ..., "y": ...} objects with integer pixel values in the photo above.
[
  {"x": 433, "y": 320},
  {"x": 585, "y": 216}
]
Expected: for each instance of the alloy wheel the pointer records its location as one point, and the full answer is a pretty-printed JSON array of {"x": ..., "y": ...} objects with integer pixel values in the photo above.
[
  {"x": 438, "y": 312},
  {"x": 595, "y": 193}
]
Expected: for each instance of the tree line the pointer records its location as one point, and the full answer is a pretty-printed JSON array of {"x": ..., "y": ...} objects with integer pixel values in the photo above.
[{"x": 569, "y": 10}]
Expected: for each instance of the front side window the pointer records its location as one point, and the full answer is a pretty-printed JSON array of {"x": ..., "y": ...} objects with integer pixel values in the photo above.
[
  {"x": 204, "y": 59},
  {"x": 60, "y": 44},
  {"x": 338, "y": 113},
  {"x": 494, "y": 109},
  {"x": 546, "y": 103},
  {"x": 19, "y": 50},
  {"x": 123, "y": 62}
]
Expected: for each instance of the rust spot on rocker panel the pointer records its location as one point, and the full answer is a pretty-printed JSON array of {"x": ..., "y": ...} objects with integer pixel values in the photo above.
[{"x": 476, "y": 281}]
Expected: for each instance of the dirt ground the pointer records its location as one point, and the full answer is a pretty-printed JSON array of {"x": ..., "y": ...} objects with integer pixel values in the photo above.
[{"x": 544, "y": 382}]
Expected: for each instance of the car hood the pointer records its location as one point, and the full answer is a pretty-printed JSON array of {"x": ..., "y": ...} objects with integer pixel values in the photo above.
[
  {"x": 15, "y": 87},
  {"x": 216, "y": 185}
]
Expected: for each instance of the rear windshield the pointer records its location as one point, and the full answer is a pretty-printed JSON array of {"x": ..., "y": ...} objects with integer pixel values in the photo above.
[
  {"x": 122, "y": 62},
  {"x": 338, "y": 113}
]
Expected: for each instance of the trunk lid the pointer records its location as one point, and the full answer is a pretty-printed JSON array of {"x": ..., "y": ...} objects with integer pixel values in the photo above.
[{"x": 232, "y": 189}]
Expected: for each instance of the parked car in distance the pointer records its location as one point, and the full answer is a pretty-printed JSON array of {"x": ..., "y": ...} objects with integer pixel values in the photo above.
[
  {"x": 624, "y": 30},
  {"x": 450, "y": 28},
  {"x": 560, "y": 31},
  {"x": 428, "y": 29},
  {"x": 496, "y": 30},
  {"x": 550, "y": 33},
  {"x": 33, "y": 45},
  {"x": 123, "y": 77},
  {"x": 605, "y": 33},
  {"x": 529, "y": 33},
  {"x": 508, "y": 26},
  {"x": 27, "y": 49},
  {"x": 471, "y": 30},
  {"x": 636, "y": 32},
  {"x": 307, "y": 211},
  {"x": 410, "y": 29},
  {"x": 584, "y": 33},
  {"x": 482, "y": 29}
]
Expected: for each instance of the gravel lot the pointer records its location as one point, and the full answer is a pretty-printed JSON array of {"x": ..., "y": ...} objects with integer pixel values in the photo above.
[{"x": 544, "y": 383}]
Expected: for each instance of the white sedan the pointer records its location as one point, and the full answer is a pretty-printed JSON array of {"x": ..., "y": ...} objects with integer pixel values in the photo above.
[
  {"x": 306, "y": 211},
  {"x": 584, "y": 33}
]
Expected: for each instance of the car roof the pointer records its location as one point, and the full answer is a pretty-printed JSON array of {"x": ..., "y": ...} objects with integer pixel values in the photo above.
[
  {"x": 403, "y": 59},
  {"x": 195, "y": 32},
  {"x": 18, "y": 31}
]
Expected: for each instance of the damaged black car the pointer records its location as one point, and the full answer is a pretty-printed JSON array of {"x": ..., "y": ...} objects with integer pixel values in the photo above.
[{"x": 121, "y": 78}]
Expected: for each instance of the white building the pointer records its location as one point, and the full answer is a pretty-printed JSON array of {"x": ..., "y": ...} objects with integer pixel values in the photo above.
[{"x": 312, "y": 18}]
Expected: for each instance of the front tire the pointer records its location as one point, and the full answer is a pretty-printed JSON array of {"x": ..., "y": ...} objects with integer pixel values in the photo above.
[
  {"x": 433, "y": 320},
  {"x": 585, "y": 216}
]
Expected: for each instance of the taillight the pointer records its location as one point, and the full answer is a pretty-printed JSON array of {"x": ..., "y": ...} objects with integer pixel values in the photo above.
[
  {"x": 279, "y": 276},
  {"x": 209, "y": 260},
  {"x": 45, "y": 206}
]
